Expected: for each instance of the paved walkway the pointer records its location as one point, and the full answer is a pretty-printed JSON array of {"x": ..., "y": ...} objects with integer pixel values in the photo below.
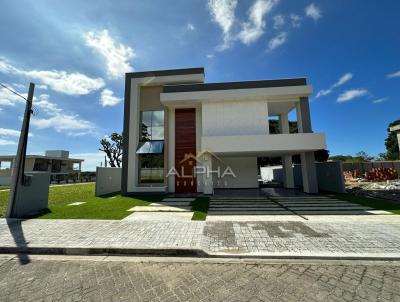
[
  {"x": 169, "y": 209},
  {"x": 121, "y": 279},
  {"x": 378, "y": 237}
]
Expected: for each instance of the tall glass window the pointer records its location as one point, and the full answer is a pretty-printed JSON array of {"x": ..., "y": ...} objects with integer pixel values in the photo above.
[{"x": 151, "y": 147}]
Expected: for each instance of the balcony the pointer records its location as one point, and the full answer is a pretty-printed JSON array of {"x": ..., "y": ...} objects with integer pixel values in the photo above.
[{"x": 265, "y": 144}]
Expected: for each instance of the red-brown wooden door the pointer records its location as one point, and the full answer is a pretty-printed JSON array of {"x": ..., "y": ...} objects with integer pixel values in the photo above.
[{"x": 185, "y": 144}]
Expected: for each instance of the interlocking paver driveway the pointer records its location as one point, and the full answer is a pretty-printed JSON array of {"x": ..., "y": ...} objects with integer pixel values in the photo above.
[{"x": 54, "y": 280}]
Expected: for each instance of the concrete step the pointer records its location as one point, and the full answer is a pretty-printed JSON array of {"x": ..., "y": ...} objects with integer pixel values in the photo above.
[
  {"x": 239, "y": 198},
  {"x": 329, "y": 208},
  {"x": 160, "y": 209},
  {"x": 245, "y": 209},
  {"x": 186, "y": 199},
  {"x": 327, "y": 204},
  {"x": 245, "y": 206},
  {"x": 222, "y": 213},
  {"x": 171, "y": 203}
]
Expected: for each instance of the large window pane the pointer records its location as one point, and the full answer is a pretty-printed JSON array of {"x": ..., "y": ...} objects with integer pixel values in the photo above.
[
  {"x": 152, "y": 125},
  {"x": 157, "y": 133},
  {"x": 157, "y": 118},
  {"x": 151, "y": 168}
]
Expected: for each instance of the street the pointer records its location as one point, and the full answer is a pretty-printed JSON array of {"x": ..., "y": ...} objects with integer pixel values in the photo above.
[{"x": 100, "y": 278}]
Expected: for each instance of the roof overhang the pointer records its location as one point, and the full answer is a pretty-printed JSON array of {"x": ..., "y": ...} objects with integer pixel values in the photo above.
[
  {"x": 163, "y": 77},
  {"x": 287, "y": 93}
]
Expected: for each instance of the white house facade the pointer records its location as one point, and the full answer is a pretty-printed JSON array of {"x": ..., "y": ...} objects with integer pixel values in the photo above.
[{"x": 182, "y": 135}]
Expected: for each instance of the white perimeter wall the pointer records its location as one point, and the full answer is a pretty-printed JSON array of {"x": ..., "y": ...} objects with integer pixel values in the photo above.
[
  {"x": 108, "y": 180},
  {"x": 235, "y": 118},
  {"x": 245, "y": 169}
]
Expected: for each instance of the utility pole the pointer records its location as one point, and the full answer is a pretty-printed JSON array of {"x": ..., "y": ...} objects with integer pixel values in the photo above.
[
  {"x": 105, "y": 161},
  {"x": 18, "y": 177}
]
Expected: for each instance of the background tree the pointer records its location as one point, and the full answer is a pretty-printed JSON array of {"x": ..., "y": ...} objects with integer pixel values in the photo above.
[
  {"x": 112, "y": 147},
  {"x": 360, "y": 157},
  {"x": 391, "y": 144}
]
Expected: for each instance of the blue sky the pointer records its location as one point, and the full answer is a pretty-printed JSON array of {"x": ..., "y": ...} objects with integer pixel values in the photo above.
[{"x": 78, "y": 51}]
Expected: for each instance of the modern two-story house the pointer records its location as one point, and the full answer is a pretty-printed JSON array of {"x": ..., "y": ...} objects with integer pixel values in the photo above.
[{"x": 182, "y": 135}]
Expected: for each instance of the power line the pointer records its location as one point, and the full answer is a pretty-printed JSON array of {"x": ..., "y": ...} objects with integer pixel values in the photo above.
[
  {"x": 16, "y": 93},
  {"x": 35, "y": 110}
]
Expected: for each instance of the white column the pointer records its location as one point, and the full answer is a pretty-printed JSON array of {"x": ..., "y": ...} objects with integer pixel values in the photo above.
[
  {"x": 288, "y": 178},
  {"x": 299, "y": 119},
  {"x": 398, "y": 139},
  {"x": 284, "y": 123},
  {"x": 208, "y": 186},
  {"x": 309, "y": 172}
]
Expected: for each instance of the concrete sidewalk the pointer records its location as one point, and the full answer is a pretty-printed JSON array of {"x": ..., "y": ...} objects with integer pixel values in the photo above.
[{"x": 339, "y": 238}]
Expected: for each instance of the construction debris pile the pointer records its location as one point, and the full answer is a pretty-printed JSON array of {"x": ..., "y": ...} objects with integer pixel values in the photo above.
[
  {"x": 374, "y": 175},
  {"x": 380, "y": 183}
]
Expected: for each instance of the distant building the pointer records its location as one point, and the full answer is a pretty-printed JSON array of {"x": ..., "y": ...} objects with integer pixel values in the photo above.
[
  {"x": 396, "y": 129},
  {"x": 57, "y": 162}
]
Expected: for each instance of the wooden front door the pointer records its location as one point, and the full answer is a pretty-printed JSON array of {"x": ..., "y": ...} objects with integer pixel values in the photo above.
[{"x": 185, "y": 145}]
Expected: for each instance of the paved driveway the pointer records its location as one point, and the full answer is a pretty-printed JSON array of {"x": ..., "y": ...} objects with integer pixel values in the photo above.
[{"x": 125, "y": 280}]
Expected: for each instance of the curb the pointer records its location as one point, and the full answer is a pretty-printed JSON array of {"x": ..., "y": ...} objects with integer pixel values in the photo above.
[
  {"x": 104, "y": 251},
  {"x": 178, "y": 252}
]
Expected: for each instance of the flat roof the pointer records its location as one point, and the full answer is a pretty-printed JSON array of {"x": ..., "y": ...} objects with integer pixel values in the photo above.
[
  {"x": 235, "y": 85},
  {"x": 167, "y": 72},
  {"x": 395, "y": 128},
  {"x": 42, "y": 156}
]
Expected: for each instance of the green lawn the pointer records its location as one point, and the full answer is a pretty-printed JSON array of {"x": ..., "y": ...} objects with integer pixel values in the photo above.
[
  {"x": 200, "y": 207},
  {"x": 378, "y": 204},
  {"x": 107, "y": 207}
]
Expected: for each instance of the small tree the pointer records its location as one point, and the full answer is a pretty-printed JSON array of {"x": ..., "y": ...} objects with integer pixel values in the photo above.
[{"x": 112, "y": 147}]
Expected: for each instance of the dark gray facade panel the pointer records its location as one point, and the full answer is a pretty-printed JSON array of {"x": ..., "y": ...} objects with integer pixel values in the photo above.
[
  {"x": 125, "y": 145},
  {"x": 305, "y": 115},
  {"x": 169, "y": 72},
  {"x": 235, "y": 85}
]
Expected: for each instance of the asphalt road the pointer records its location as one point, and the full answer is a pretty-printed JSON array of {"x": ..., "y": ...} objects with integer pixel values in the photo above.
[{"x": 63, "y": 278}]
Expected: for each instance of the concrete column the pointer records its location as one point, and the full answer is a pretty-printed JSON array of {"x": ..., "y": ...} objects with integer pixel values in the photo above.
[
  {"x": 284, "y": 124},
  {"x": 171, "y": 149},
  {"x": 398, "y": 139},
  {"x": 303, "y": 116},
  {"x": 288, "y": 178},
  {"x": 208, "y": 186},
  {"x": 309, "y": 172}
]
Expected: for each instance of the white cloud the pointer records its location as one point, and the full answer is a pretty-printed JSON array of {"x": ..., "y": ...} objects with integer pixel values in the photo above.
[
  {"x": 7, "y": 98},
  {"x": 351, "y": 94},
  {"x": 295, "y": 20},
  {"x": 63, "y": 123},
  {"x": 313, "y": 12},
  {"x": 223, "y": 13},
  {"x": 58, "y": 80},
  {"x": 210, "y": 56},
  {"x": 393, "y": 75},
  {"x": 279, "y": 21},
  {"x": 57, "y": 119},
  {"x": 342, "y": 80},
  {"x": 107, "y": 98},
  {"x": 9, "y": 132},
  {"x": 190, "y": 27},
  {"x": 277, "y": 41},
  {"x": 116, "y": 55},
  {"x": 253, "y": 30},
  {"x": 5, "y": 142},
  {"x": 378, "y": 101}
]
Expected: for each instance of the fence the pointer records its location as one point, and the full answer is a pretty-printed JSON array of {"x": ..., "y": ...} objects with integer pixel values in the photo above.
[
  {"x": 108, "y": 180},
  {"x": 367, "y": 166}
]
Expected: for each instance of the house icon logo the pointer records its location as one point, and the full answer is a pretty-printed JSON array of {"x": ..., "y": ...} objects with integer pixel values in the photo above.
[{"x": 191, "y": 158}]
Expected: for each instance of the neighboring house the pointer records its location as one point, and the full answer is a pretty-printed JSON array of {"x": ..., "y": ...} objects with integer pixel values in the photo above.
[
  {"x": 396, "y": 129},
  {"x": 57, "y": 162},
  {"x": 174, "y": 122}
]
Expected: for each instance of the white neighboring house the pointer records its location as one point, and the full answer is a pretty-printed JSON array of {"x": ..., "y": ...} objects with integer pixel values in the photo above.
[
  {"x": 179, "y": 131},
  {"x": 57, "y": 162}
]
